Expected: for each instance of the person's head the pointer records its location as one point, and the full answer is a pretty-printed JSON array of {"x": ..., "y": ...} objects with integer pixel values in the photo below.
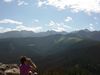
[
  {"x": 29, "y": 61},
  {"x": 23, "y": 60}
]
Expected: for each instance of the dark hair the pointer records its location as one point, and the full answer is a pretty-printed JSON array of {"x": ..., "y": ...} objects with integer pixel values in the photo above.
[{"x": 23, "y": 59}]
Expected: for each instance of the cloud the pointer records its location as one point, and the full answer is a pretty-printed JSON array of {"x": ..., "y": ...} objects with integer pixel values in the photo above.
[
  {"x": 91, "y": 27},
  {"x": 22, "y": 27},
  {"x": 8, "y": 1},
  {"x": 18, "y": 2},
  {"x": 10, "y": 21},
  {"x": 59, "y": 27},
  {"x": 18, "y": 26},
  {"x": 87, "y": 6},
  {"x": 36, "y": 20},
  {"x": 68, "y": 19},
  {"x": 2, "y": 29},
  {"x": 27, "y": 28},
  {"x": 52, "y": 23},
  {"x": 40, "y": 3},
  {"x": 21, "y": 2}
]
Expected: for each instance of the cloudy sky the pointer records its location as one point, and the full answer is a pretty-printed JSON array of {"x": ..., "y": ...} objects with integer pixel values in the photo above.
[{"x": 43, "y": 15}]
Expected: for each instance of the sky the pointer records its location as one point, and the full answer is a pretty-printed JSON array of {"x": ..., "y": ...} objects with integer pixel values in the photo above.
[{"x": 44, "y": 15}]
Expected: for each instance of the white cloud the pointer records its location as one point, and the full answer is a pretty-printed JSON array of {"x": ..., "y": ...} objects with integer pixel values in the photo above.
[
  {"x": 18, "y": 2},
  {"x": 87, "y": 6},
  {"x": 91, "y": 27},
  {"x": 52, "y": 23},
  {"x": 21, "y": 2},
  {"x": 10, "y": 21},
  {"x": 27, "y": 28},
  {"x": 40, "y": 3},
  {"x": 91, "y": 24},
  {"x": 18, "y": 26},
  {"x": 59, "y": 27},
  {"x": 36, "y": 20},
  {"x": 68, "y": 19},
  {"x": 2, "y": 29},
  {"x": 22, "y": 27},
  {"x": 8, "y": 1}
]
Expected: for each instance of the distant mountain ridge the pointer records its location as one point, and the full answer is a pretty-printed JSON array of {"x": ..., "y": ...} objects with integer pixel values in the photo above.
[
  {"x": 94, "y": 35},
  {"x": 23, "y": 34}
]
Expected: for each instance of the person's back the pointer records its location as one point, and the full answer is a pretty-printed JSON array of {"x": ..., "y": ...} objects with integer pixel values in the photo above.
[{"x": 24, "y": 69}]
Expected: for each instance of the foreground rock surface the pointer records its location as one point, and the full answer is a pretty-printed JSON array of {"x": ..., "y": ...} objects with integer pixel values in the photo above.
[{"x": 9, "y": 69}]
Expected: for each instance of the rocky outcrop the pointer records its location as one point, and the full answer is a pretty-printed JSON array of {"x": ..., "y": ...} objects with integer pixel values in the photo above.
[{"x": 9, "y": 69}]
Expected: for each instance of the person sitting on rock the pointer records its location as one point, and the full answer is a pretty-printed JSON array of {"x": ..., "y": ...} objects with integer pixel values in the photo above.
[{"x": 27, "y": 67}]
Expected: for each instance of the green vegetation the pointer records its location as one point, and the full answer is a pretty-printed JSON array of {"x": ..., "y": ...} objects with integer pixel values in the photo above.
[{"x": 55, "y": 54}]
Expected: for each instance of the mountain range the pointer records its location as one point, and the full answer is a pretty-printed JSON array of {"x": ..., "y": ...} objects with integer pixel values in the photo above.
[
  {"x": 23, "y": 34},
  {"x": 53, "y": 50},
  {"x": 95, "y": 35}
]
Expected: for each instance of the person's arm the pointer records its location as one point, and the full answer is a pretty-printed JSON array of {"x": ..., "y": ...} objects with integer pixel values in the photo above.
[{"x": 33, "y": 66}]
